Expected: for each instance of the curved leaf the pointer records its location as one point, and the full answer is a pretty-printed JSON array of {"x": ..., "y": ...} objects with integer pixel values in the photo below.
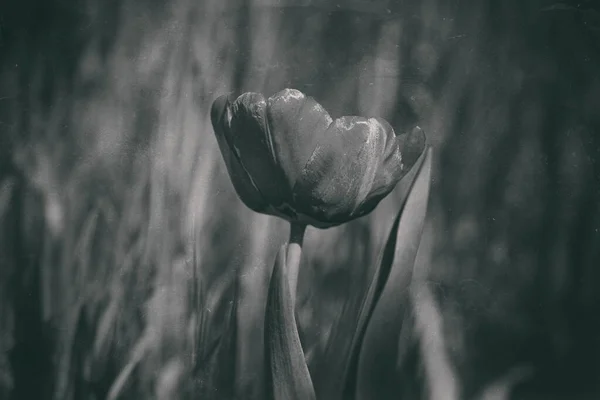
[
  {"x": 334, "y": 374},
  {"x": 287, "y": 376},
  {"x": 376, "y": 368},
  {"x": 373, "y": 293}
]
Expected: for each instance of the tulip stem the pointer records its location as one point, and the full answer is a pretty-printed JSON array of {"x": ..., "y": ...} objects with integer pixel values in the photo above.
[{"x": 294, "y": 252}]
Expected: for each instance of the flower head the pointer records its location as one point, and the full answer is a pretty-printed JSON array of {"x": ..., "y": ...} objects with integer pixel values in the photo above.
[{"x": 288, "y": 158}]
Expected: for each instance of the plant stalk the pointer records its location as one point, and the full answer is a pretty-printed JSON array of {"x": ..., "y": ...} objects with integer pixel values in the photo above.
[{"x": 294, "y": 252}]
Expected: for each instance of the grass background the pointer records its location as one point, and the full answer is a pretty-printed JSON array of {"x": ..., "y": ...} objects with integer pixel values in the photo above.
[{"x": 124, "y": 248}]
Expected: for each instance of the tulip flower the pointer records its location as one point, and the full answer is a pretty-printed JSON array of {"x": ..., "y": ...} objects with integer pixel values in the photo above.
[{"x": 287, "y": 157}]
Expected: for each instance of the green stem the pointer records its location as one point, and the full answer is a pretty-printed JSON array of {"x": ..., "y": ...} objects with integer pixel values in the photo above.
[{"x": 294, "y": 252}]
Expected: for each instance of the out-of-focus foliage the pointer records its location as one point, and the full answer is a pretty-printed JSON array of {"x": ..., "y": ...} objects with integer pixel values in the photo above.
[{"x": 113, "y": 198}]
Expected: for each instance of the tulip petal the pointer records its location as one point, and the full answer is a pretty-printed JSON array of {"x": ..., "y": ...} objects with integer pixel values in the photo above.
[
  {"x": 250, "y": 140},
  {"x": 242, "y": 182},
  {"x": 380, "y": 151},
  {"x": 406, "y": 148},
  {"x": 341, "y": 172},
  {"x": 298, "y": 122},
  {"x": 412, "y": 145}
]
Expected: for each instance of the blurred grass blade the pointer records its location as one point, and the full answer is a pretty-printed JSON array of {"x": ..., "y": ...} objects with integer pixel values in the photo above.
[
  {"x": 226, "y": 367},
  {"x": 287, "y": 376},
  {"x": 376, "y": 375},
  {"x": 216, "y": 366}
]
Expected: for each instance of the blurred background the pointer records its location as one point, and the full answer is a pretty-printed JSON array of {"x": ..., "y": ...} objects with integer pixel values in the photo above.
[{"x": 130, "y": 269}]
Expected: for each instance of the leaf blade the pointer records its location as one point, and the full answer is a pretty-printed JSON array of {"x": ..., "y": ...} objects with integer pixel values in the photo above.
[
  {"x": 371, "y": 296},
  {"x": 376, "y": 367},
  {"x": 287, "y": 375}
]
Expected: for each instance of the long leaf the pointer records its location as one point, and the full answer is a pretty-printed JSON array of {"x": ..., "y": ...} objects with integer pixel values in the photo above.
[
  {"x": 287, "y": 376},
  {"x": 377, "y": 374},
  {"x": 373, "y": 293}
]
